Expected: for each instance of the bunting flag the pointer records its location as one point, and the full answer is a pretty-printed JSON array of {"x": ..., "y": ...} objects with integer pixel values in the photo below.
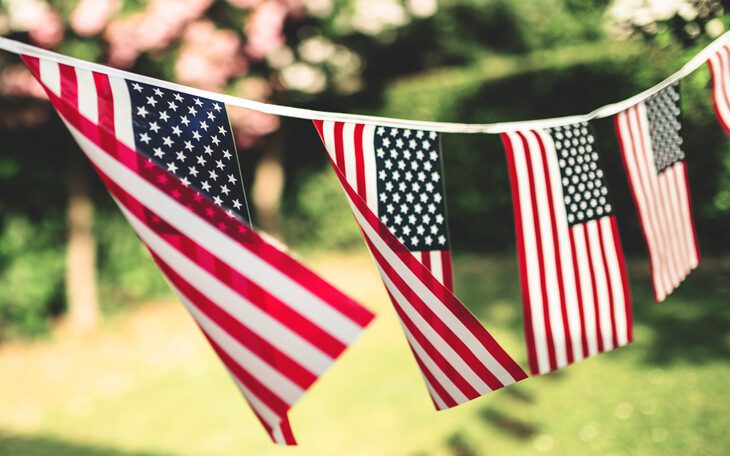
[
  {"x": 169, "y": 161},
  {"x": 719, "y": 64},
  {"x": 576, "y": 299},
  {"x": 393, "y": 182},
  {"x": 651, "y": 147}
]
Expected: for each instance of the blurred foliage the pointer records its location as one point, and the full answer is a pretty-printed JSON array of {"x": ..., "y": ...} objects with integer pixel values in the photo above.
[{"x": 452, "y": 60}]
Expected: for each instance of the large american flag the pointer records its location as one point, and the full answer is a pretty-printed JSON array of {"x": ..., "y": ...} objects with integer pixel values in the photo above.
[
  {"x": 719, "y": 64},
  {"x": 392, "y": 179},
  {"x": 576, "y": 300},
  {"x": 652, "y": 152},
  {"x": 169, "y": 161}
]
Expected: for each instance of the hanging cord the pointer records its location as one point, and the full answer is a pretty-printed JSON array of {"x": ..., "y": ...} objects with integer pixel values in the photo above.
[{"x": 17, "y": 47}]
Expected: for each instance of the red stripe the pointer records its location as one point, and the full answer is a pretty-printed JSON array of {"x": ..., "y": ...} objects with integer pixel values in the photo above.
[
  {"x": 360, "y": 161},
  {"x": 691, "y": 212},
  {"x": 445, "y": 397},
  {"x": 447, "y": 269},
  {"x": 69, "y": 90},
  {"x": 526, "y": 306},
  {"x": 339, "y": 147},
  {"x": 624, "y": 279},
  {"x": 720, "y": 96},
  {"x": 579, "y": 293},
  {"x": 680, "y": 236},
  {"x": 596, "y": 310},
  {"x": 34, "y": 65},
  {"x": 556, "y": 249},
  {"x": 425, "y": 258},
  {"x": 540, "y": 259},
  {"x": 609, "y": 284},
  {"x": 318, "y": 124}
]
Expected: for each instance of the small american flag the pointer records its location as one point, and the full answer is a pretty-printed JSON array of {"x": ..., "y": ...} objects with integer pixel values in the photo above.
[
  {"x": 169, "y": 161},
  {"x": 575, "y": 291},
  {"x": 652, "y": 152},
  {"x": 392, "y": 179},
  {"x": 719, "y": 65}
]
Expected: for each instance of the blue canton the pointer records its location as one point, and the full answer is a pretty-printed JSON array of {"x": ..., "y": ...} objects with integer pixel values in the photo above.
[{"x": 190, "y": 137}]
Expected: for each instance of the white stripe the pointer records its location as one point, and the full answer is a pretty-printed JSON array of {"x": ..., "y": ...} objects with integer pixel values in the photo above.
[
  {"x": 533, "y": 279},
  {"x": 604, "y": 111},
  {"x": 235, "y": 305},
  {"x": 443, "y": 347},
  {"x": 604, "y": 304},
  {"x": 544, "y": 214},
  {"x": 249, "y": 361},
  {"x": 234, "y": 254},
  {"x": 269, "y": 416},
  {"x": 368, "y": 156},
  {"x": 685, "y": 203},
  {"x": 645, "y": 213},
  {"x": 673, "y": 212},
  {"x": 433, "y": 368},
  {"x": 50, "y": 76},
  {"x": 328, "y": 131},
  {"x": 348, "y": 146},
  {"x": 564, "y": 249},
  {"x": 586, "y": 289},
  {"x": 122, "y": 111},
  {"x": 88, "y": 100},
  {"x": 616, "y": 282},
  {"x": 440, "y": 404},
  {"x": 433, "y": 303},
  {"x": 437, "y": 265}
]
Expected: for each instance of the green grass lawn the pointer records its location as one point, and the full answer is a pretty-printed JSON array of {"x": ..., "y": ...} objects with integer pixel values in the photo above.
[{"x": 146, "y": 383}]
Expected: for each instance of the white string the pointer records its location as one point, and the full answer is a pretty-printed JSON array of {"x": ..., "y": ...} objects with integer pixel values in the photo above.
[{"x": 309, "y": 114}]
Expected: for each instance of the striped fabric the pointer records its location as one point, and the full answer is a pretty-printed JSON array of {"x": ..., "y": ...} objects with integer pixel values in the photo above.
[
  {"x": 275, "y": 325},
  {"x": 576, "y": 300},
  {"x": 719, "y": 65},
  {"x": 654, "y": 161},
  {"x": 458, "y": 358}
]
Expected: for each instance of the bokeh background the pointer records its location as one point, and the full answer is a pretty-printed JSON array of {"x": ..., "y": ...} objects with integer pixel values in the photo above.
[{"x": 97, "y": 358}]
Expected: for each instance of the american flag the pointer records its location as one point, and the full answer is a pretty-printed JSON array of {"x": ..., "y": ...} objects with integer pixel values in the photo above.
[
  {"x": 719, "y": 65},
  {"x": 652, "y": 152},
  {"x": 393, "y": 182},
  {"x": 169, "y": 161},
  {"x": 576, "y": 300}
]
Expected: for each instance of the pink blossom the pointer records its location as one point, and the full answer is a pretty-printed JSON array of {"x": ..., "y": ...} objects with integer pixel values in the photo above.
[
  {"x": 16, "y": 80},
  {"x": 47, "y": 31},
  {"x": 264, "y": 29},
  {"x": 91, "y": 16},
  {"x": 249, "y": 126}
]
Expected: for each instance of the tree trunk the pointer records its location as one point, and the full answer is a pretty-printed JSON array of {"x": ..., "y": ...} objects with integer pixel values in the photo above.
[
  {"x": 83, "y": 306},
  {"x": 268, "y": 184}
]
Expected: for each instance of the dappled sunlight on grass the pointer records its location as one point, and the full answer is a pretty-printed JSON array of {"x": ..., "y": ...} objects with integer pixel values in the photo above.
[{"x": 147, "y": 383}]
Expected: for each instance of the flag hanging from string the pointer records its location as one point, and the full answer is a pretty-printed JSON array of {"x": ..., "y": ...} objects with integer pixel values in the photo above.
[
  {"x": 576, "y": 300},
  {"x": 169, "y": 161},
  {"x": 719, "y": 64},
  {"x": 393, "y": 182},
  {"x": 651, "y": 146}
]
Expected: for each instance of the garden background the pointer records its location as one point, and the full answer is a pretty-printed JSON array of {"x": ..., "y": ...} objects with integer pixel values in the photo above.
[{"x": 96, "y": 357}]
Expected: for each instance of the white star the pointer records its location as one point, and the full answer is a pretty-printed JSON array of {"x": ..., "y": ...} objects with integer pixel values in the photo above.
[
  {"x": 198, "y": 102},
  {"x": 442, "y": 240},
  {"x": 154, "y": 127},
  {"x": 435, "y": 177},
  {"x": 137, "y": 87},
  {"x": 236, "y": 204},
  {"x": 221, "y": 130},
  {"x": 432, "y": 135},
  {"x": 407, "y": 133},
  {"x": 193, "y": 171},
  {"x": 225, "y": 190},
  {"x": 206, "y": 186},
  {"x": 181, "y": 156},
  {"x": 158, "y": 92},
  {"x": 185, "y": 181},
  {"x": 399, "y": 143},
  {"x": 215, "y": 140},
  {"x": 381, "y": 131},
  {"x": 426, "y": 145},
  {"x": 219, "y": 164},
  {"x": 204, "y": 125},
  {"x": 178, "y": 97},
  {"x": 184, "y": 120},
  {"x": 145, "y": 138},
  {"x": 176, "y": 130},
  {"x": 201, "y": 160},
  {"x": 167, "y": 141},
  {"x": 226, "y": 154},
  {"x": 141, "y": 111},
  {"x": 217, "y": 107},
  {"x": 196, "y": 136},
  {"x": 211, "y": 116},
  {"x": 188, "y": 145},
  {"x": 213, "y": 174},
  {"x": 192, "y": 110},
  {"x": 414, "y": 240},
  {"x": 429, "y": 240},
  {"x": 419, "y": 134},
  {"x": 393, "y": 131},
  {"x": 217, "y": 200},
  {"x": 172, "y": 167},
  {"x": 397, "y": 219},
  {"x": 208, "y": 150},
  {"x": 151, "y": 101},
  {"x": 158, "y": 152},
  {"x": 172, "y": 105},
  {"x": 164, "y": 116},
  {"x": 231, "y": 179}
]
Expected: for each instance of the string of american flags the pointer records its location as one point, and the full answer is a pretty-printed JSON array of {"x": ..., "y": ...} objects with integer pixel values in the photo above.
[{"x": 166, "y": 154}]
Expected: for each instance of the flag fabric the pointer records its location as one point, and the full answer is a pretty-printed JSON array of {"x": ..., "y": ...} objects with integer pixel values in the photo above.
[
  {"x": 576, "y": 300},
  {"x": 169, "y": 161},
  {"x": 651, "y": 147},
  {"x": 393, "y": 182},
  {"x": 719, "y": 65}
]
